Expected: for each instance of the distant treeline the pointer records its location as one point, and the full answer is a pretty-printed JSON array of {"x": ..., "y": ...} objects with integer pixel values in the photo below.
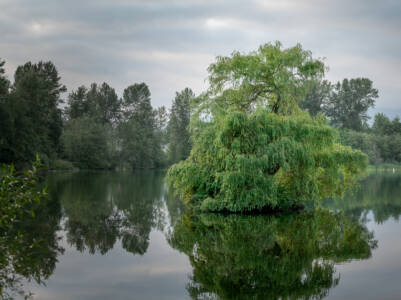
[
  {"x": 345, "y": 104},
  {"x": 95, "y": 129}
]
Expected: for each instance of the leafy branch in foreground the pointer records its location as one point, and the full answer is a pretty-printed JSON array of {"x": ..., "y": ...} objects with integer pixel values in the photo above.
[{"x": 28, "y": 249}]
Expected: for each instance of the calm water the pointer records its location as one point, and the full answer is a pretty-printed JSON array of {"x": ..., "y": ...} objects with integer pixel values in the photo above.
[{"x": 123, "y": 236}]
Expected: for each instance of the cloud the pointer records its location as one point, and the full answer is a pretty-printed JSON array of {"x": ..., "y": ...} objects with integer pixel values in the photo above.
[{"x": 169, "y": 44}]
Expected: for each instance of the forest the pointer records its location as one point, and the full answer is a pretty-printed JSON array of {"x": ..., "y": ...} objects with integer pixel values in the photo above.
[
  {"x": 346, "y": 106},
  {"x": 94, "y": 128}
]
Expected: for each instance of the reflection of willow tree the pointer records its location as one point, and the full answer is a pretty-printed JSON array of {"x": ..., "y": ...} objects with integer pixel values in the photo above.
[
  {"x": 102, "y": 208},
  {"x": 29, "y": 250},
  {"x": 377, "y": 193},
  {"x": 260, "y": 257}
]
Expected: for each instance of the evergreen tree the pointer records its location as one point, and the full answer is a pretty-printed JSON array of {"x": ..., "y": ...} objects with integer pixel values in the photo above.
[{"x": 179, "y": 144}]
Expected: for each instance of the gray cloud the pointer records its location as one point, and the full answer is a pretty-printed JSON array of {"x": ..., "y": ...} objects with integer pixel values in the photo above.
[{"x": 169, "y": 44}]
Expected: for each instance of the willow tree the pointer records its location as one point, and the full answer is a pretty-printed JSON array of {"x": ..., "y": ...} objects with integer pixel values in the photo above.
[{"x": 253, "y": 147}]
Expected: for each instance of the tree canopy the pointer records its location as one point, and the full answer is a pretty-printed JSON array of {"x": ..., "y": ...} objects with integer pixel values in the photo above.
[
  {"x": 32, "y": 117},
  {"x": 317, "y": 96},
  {"x": 350, "y": 100},
  {"x": 271, "y": 76},
  {"x": 253, "y": 147}
]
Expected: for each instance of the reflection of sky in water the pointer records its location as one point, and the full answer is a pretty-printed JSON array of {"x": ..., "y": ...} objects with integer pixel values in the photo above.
[
  {"x": 163, "y": 272},
  {"x": 378, "y": 277},
  {"x": 159, "y": 274}
]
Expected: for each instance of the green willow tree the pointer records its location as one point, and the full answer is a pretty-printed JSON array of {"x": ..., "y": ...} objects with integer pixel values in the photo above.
[{"x": 253, "y": 147}]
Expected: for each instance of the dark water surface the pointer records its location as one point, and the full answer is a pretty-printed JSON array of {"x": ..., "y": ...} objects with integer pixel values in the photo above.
[{"x": 123, "y": 236}]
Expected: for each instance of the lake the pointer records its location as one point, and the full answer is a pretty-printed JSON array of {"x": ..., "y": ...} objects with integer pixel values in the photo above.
[{"x": 116, "y": 236}]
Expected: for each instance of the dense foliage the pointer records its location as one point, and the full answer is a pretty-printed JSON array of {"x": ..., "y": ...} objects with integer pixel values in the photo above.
[
  {"x": 346, "y": 106},
  {"x": 345, "y": 103},
  {"x": 382, "y": 142},
  {"x": 96, "y": 129},
  {"x": 28, "y": 225},
  {"x": 256, "y": 149},
  {"x": 31, "y": 117},
  {"x": 140, "y": 144},
  {"x": 268, "y": 257},
  {"x": 103, "y": 131}
]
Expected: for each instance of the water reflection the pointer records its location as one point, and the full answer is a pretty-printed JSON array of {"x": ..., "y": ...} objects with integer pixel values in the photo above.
[
  {"x": 100, "y": 209},
  {"x": 29, "y": 249},
  {"x": 377, "y": 193},
  {"x": 230, "y": 257},
  {"x": 274, "y": 257}
]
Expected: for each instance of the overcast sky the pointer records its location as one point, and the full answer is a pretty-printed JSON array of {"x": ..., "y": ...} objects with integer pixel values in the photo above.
[{"x": 169, "y": 44}]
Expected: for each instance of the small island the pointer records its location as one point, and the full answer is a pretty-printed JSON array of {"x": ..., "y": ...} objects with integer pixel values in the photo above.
[{"x": 253, "y": 147}]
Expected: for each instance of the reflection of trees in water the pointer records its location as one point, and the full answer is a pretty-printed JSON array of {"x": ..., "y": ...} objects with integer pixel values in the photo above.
[
  {"x": 101, "y": 208},
  {"x": 379, "y": 193},
  {"x": 268, "y": 257},
  {"x": 29, "y": 250},
  {"x": 174, "y": 205}
]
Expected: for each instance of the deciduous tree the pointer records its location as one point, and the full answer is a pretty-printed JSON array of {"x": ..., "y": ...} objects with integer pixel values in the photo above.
[
  {"x": 179, "y": 144},
  {"x": 349, "y": 102}
]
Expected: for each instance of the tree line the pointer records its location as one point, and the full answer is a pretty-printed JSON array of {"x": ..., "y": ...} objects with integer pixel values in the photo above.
[
  {"x": 346, "y": 105},
  {"x": 94, "y": 128}
]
